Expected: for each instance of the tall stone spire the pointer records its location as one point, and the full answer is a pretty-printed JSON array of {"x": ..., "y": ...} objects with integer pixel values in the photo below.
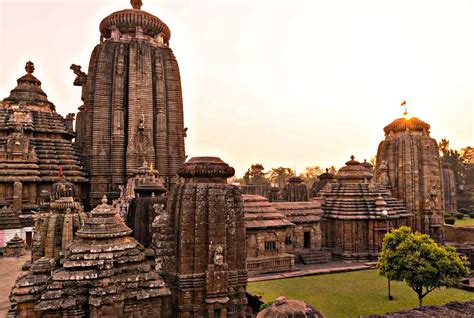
[
  {"x": 408, "y": 162},
  {"x": 133, "y": 108}
]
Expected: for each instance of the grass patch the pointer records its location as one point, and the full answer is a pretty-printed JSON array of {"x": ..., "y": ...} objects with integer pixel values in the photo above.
[
  {"x": 352, "y": 294},
  {"x": 465, "y": 222}
]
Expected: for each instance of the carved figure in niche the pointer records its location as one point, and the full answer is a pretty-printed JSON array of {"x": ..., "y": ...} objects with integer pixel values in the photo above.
[
  {"x": 433, "y": 199},
  {"x": 160, "y": 39},
  {"x": 115, "y": 33},
  {"x": 218, "y": 257},
  {"x": 17, "y": 143},
  {"x": 141, "y": 124},
  {"x": 383, "y": 178}
]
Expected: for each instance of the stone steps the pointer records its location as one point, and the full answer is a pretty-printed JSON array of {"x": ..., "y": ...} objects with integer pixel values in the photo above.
[{"x": 312, "y": 257}]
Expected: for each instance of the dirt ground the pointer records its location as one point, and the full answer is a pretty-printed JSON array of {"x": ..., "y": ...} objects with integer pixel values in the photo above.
[{"x": 10, "y": 269}]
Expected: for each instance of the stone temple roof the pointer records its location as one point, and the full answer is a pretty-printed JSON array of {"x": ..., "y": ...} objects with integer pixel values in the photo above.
[
  {"x": 105, "y": 223},
  {"x": 29, "y": 90},
  {"x": 35, "y": 140},
  {"x": 126, "y": 21},
  {"x": 103, "y": 265},
  {"x": 353, "y": 171},
  {"x": 361, "y": 201},
  {"x": 353, "y": 197},
  {"x": 9, "y": 219},
  {"x": 259, "y": 213},
  {"x": 300, "y": 212},
  {"x": 402, "y": 124},
  {"x": 288, "y": 308}
]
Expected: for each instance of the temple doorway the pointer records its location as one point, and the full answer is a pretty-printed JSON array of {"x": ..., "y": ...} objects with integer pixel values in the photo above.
[
  {"x": 28, "y": 238},
  {"x": 307, "y": 240}
]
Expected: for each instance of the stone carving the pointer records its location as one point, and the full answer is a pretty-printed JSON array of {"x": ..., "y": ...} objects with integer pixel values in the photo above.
[
  {"x": 382, "y": 175},
  {"x": 432, "y": 201},
  {"x": 115, "y": 33},
  {"x": 218, "y": 257}
]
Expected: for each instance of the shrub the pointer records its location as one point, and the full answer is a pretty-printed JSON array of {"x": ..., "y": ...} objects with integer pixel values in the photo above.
[
  {"x": 459, "y": 216},
  {"x": 471, "y": 215},
  {"x": 266, "y": 305},
  {"x": 450, "y": 221}
]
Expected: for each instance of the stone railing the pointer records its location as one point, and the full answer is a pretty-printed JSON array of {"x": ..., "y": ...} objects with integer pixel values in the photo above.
[{"x": 270, "y": 264}]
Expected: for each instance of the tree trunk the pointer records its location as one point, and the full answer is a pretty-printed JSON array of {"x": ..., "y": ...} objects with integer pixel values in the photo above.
[{"x": 420, "y": 299}]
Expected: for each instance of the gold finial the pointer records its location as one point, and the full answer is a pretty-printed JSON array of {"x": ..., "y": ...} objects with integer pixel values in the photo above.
[
  {"x": 136, "y": 4},
  {"x": 30, "y": 67},
  {"x": 405, "y": 113}
]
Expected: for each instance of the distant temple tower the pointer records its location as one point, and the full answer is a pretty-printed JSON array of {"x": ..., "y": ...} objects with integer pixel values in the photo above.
[
  {"x": 133, "y": 109},
  {"x": 408, "y": 162}
]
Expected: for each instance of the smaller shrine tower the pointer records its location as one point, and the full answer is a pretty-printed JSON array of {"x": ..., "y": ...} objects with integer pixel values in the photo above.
[{"x": 201, "y": 243}]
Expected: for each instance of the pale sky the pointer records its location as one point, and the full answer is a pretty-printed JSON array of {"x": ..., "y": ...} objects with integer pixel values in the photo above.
[{"x": 282, "y": 83}]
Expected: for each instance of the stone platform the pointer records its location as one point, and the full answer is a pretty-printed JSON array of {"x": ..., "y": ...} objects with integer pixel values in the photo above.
[{"x": 10, "y": 269}]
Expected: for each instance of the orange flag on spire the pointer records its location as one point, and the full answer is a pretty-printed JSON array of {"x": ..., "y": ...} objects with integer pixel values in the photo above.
[{"x": 403, "y": 103}]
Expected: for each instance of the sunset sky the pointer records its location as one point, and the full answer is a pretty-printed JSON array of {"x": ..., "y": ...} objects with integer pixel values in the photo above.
[{"x": 282, "y": 83}]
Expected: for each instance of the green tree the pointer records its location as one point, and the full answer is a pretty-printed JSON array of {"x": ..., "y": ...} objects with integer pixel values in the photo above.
[
  {"x": 256, "y": 174},
  {"x": 421, "y": 263},
  {"x": 310, "y": 175},
  {"x": 280, "y": 175},
  {"x": 456, "y": 159}
]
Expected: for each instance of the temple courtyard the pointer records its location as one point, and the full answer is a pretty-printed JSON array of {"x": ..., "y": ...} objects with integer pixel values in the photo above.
[
  {"x": 10, "y": 269},
  {"x": 352, "y": 294}
]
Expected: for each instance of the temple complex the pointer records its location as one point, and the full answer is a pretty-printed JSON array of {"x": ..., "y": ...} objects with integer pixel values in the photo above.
[
  {"x": 57, "y": 227},
  {"x": 358, "y": 214},
  {"x": 103, "y": 273},
  {"x": 408, "y": 163},
  {"x": 35, "y": 147},
  {"x": 266, "y": 230},
  {"x": 133, "y": 109},
  {"x": 199, "y": 242}
]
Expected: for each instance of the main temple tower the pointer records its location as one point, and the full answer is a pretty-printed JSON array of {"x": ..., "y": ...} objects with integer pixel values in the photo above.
[
  {"x": 408, "y": 162},
  {"x": 133, "y": 109}
]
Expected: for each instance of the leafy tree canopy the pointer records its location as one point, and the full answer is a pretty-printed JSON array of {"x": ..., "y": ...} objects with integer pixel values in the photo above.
[{"x": 420, "y": 262}]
